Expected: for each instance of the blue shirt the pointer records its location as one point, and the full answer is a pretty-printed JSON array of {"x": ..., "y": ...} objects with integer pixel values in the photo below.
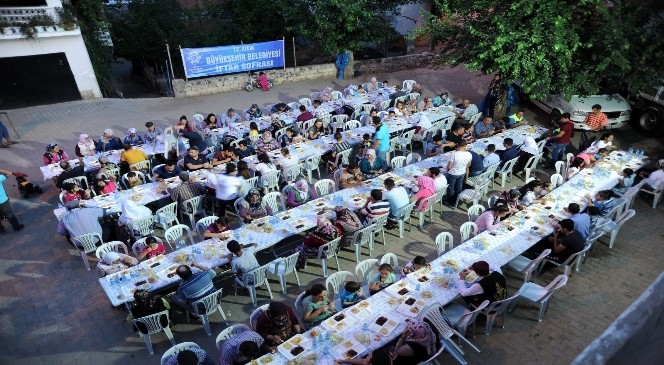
[
  {"x": 383, "y": 136},
  {"x": 163, "y": 174},
  {"x": 581, "y": 224},
  {"x": 604, "y": 206},
  {"x": 197, "y": 286},
  {"x": 398, "y": 198},
  {"x": 476, "y": 164},
  {"x": 509, "y": 154},
  {"x": 482, "y": 128},
  {"x": 3, "y": 193},
  {"x": 490, "y": 159},
  {"x": 346, "y": 297}
]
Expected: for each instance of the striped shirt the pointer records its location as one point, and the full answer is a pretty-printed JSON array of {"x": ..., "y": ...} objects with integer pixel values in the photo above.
[
  {"x": 186, "y": 191},
  {"x": 376, "y": 208},
  {"x": 197, "y": 286},
  {"x": 598, "y": 120},
  {"x": 230, "y": 350},
  {"x": 341, "y": 146}
]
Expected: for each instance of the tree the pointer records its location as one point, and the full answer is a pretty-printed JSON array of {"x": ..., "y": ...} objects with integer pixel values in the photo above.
[
  {"x": 338, "y": 25},
  {"x": 564, "y": 46}
]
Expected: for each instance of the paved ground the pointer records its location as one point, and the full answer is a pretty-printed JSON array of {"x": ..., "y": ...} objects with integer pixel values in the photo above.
[{"x": 53, "y": 311}]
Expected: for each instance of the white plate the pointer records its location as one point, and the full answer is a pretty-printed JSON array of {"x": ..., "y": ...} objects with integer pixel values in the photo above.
[
  {"x": 335, "y": 325},
  {"x": 386, "y": 328},
  {"x": 339, "y": 351},
  {"x": 361, "y": 311},
  {"x": 412, "y": 310},
  {"x": 297, "y": 340},
  {"x": 397, "y": 289}
]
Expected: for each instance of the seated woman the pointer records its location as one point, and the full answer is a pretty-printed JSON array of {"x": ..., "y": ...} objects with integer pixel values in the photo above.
[
  {"x": 112, "y": 262},
  {"x": 267, "y": 143},
  {"x": 85, "y": 146},
  {"x": 348, "y": 222},
  {"x": 252, "y": 207},
  {"x": 401, "y": 110},
  {"x": 510, "y": 198},
  {"x": 54, "y": 154},
  {"x": 277, "y": 324},
  {"x": 317, "y": 130},
  {"x": 529, "y": 192},
  {"x": 316, "y": 307},
  {"x": 427, "y": 103},
  {"x": 73, "y": 192},
  {"x": 152, "y": 248},
  {"x": 350, "y": 176},
  {"x": 426, "y": 188},
  {"x": 264, "y": 166},
  {"x": 146, "y": 304},
  {"x": 254, "y": 112},
  {"x": 253, "y": 129},
  {"x": 130, "y": 213},
  {"x": 490, "y": 219},
  {"x": 371, "y": 165},
  {"x": 298, "y": 193},
  {"x": 105, "y": 186},
  {"x": 324, "y": 233}
]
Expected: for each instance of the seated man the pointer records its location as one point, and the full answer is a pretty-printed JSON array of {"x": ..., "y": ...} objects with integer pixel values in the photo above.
[
  {"x": 436, "y": 147},
  {"x": 133, "y": 180},
  {"x": 466, "y": 110},
  {"x": 69, "y": 172},
  {"x": 169, "y": 170},
  {"x": 187, "y": 190},
  {"x": 491, "y": 285},
  {"x": 304, "y": 114},
  {"x": 509, "y": 153},
  {"x": 81, "y": 220},
  {"x": 195, "y": 161},
  {"x": 193, "y": 286},
  {"x": 563, "y": 242},
  {"x": 230, "y": 118},
  {"x": 226, "y": 155},
  {"x": 280, "y": 108},
  {"x": 454, "y": 136},
  {"x": 153, "y": 134},
  {"x": 132, "y": 138},
  {"x": 491, "y": 157},
  {"x": 192, "y": 356},
  {"x": 242, "y": 348},
  {"x": 484, "y": 128},
  {"x": 397, "y": 196},
  {"x": 516, "y": 119},
  {"x": 243, "y": 150},
  {"x": 217, "y": 228},
  {"x": 654, "y": 178},
  {"x": 132, "y": 155},
  {"x": 476, "y": 164}
]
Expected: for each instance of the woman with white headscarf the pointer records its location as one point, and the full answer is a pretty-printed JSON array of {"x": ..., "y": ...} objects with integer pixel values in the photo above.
[
  {"x": 527, "y": 150},
  {"x": 371, "y": 165},
  {"x": 131, "y": 212},
  {"x": 85, "y": 146},
  {"x": 112, "y": 262}
]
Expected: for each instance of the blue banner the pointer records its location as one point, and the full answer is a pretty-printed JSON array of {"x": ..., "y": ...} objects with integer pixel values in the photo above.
[{"x": 200, "y": 62}]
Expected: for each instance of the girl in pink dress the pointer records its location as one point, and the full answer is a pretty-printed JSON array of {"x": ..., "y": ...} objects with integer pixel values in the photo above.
[{"x": 262, "y": 81}]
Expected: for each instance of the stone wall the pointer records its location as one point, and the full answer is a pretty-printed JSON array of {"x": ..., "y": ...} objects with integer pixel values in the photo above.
[
  {"x": 236, "y": 82},
  {"x": 394, "y": 63},
  {"x": 635, "y": 337}
]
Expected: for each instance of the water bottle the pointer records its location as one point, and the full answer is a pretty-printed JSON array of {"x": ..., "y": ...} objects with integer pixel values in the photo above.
[
  {"x": 321, "y": 338},
  {"x": 630, "y": 151},
  {"x": 365, "y": 326},
  {"x": 314, "y": 342},
  {"x": 179, "y": 244},
  {"x": 417, "y": 288}
]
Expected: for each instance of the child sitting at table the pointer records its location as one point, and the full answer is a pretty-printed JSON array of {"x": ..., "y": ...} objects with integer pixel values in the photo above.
[
  {"x": 546, "y": 188},
  {"x": 365, "y": 145},
  {"x": 351, "y": 294},
  {"x": 242, "y": 257},
  {"x": 384, "y": 278},
  {"x": 419, "y": 262},
  {"x": 133, "y": 180}
]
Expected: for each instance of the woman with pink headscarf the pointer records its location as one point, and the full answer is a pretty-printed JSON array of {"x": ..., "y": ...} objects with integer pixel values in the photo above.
[
  {"x": 426, "y": 188},
  {"x": 298, "y": 193}
]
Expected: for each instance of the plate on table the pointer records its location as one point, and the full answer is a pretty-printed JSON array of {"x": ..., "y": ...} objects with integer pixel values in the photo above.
[
  {"x": 168, "y": 273},
  {"x": 284, "y": 215},
  {"x": 295, "y": 346},
  {"x": 400, "y": 288},
  {"x": 361, "y": 310},
  {"x": 348, "y": 349},
  {"x": 154, "y": 262},
  {"x": 411, "y": 307},
  {"x": 338, "y": 322},
  {"x": 319, "y": 204},
  {"x": 299, "y": 224},
  {"x": 384, "y": 325},
  {"x": 442, "y": 281}
]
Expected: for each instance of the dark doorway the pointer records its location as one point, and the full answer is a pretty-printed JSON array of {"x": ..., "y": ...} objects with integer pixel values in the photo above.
[{"x": 36, "y": 80}]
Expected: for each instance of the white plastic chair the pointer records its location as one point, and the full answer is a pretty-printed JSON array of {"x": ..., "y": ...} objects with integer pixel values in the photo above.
[
  {"x": 305, "y": 101},
  {"x": 571, "y": 261},
  {"x": 275, "y": 200},
  {"x": 461, "y": 318},
  {"x": 229, "y": 333},
  {"x": 112, "y": 246},
  {"x": 506, "y": 171},
  {"x": 397, "y": 162},
  {"x": 143, "y": 166},
  {"x": 335, "y": 282},
  {"x": 444, "y": 242},
  {"x": 403, "y": 216},
  {"x": 475, "y": 211},
  {"x": 429, "y": 202},
  {"x": 166, "y": 215},
  {"x": 312, "y": 163},
  {"x": 176, "y": 349},
  {"x": 363, "y": 237},
  {"x": 656, "y": 193},
  {"x": 412, "y": 158},
  {"x": 363, "y": 268},
  {"x": 539, "y": 295},
  {"x": 253, "y": 318},
  {"x": 473, "y": 195},
  {"x": 125, "y": 182},
  {"x": 80, "y": 181},
  {"x": 435, "y": 315},
  {"x": 328, "y": 251},
  {"x": 468, "y": 230},
  {"x": 379, "y": 227},
  {"x": 139, "y": 245},
  {"x": 143, "y": 226},
  {"x": 352, "y": 124},
  {"x": 253, "y": 279},
  {"x": 153, "y": 324},
  {"x": 496, "y": 309},
  {"x": 299, "y": 310},
  {"x": 556, "y": 180},
  {"x": 561, "y": 168},
  {"x": 526, "y": 266},
  {"x": 614, "y": 227},
  {"x": 491, "y": 202},
  {"x": 203, "y": 223},
  {"x": 384, "y": 105},
  {"x": 293, "y": 105},
  {"x": 87, "y": 243},
  {"x": 324, "y": 187},
  {"x": 272, "y": 180},
  {"x": 175, "y": 236},
  {"x": 282, "y": 267},
  {"x": 408, "y": 84},
  {"x": 630, "y": 194},
  {"x": 192, "y": 207},
  {"x": 474, "y": 118},
  {"x": 531, "y": 165},
  {"x": 392, "y": 259},
  {"x": 210, "y": 304}
]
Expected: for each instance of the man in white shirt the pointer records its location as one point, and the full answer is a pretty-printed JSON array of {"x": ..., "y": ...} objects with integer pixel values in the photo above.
[
  {"x": 439, "y": 180},
  {"x": 226, "y": 188},
  {"x": 397, "y": 196},
  {"x": 286, "y": 161},
  {"x": 492, "y": 157},
  {"x": 457, "y": 170},
  {"x": 653, "y": 179}
]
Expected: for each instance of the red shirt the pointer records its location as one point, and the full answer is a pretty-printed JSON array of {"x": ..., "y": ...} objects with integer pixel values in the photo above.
[
  {"x": 568, "y": 129},
  {"x": 596, "y": 121},
  {"x": 156, "y": 252}
]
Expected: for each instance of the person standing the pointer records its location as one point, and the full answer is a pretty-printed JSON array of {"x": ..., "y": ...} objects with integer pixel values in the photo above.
[
  {"x": 561, "y": 140},
  {"x": 381, "y": 142},
  {"x": 5, "y": 206},
  {"x": 458, "y": 169},
  {"x": 596, "y": 121}
]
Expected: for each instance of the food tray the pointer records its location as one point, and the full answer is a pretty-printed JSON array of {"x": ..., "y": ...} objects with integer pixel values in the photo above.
[
  {"x": 168, "y": 273},
  {"x": 153, "y": 263},
  {"x": 297, "y": 340},
  {"x": 343, "y": 350},
  {"x": 387, "y": 327},
  {"x": 361, "y": 310},
  {"x": 338, "y": 322},
  {"x": 411, "y": 307},
  {"x": 401, "y": 288}
]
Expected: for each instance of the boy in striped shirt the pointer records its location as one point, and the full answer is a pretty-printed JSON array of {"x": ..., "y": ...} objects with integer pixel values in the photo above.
[{"x": 375, "y": 206}]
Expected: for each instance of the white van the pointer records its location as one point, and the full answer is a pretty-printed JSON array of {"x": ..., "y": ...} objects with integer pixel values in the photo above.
[{"x": 614, "y": 106}]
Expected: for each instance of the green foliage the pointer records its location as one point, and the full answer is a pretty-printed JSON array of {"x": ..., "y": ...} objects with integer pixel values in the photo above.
[
  {"x": 565, "y": 46},
  {"x": 256, "y": 21}
]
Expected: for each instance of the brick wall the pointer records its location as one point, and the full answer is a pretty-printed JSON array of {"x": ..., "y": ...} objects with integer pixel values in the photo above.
[{"x": 236, "y": 82}]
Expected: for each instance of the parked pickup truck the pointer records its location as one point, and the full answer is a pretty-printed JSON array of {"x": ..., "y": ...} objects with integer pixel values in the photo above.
[
  {"x": 614, "y": 106},
  {"x": 648, "y": 111}
]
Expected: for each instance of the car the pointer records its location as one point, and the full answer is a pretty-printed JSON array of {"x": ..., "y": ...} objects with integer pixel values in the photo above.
[{"x": 616, "y": 108}]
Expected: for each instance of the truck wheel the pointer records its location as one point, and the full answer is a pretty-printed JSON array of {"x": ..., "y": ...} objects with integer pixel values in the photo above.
[{"x": 651, "y": 121}]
